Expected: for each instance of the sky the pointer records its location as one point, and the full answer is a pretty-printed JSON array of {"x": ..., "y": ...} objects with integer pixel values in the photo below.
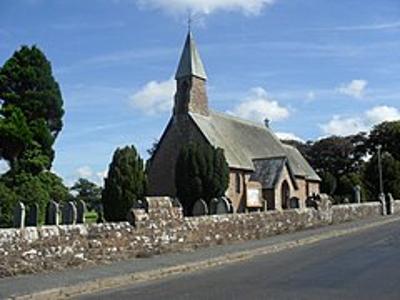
[{"x": 312, "y": 67}]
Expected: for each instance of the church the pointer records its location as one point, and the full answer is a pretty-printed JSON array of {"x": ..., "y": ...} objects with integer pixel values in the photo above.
[{"x": 264, "y": 172}]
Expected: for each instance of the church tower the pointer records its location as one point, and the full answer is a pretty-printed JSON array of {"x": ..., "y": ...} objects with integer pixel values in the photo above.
[{"x": 191, "y": 90}]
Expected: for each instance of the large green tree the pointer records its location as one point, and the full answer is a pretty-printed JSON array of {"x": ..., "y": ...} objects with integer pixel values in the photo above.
[
  {"x": 390, "y": 172},
  {"x": 386, "y": 134},
  {"x": 87, "y": 191},
  {"x": 124, "y": 185},
  {"x": 32, "y": 110},
  {"x": 201, "y": 172}
]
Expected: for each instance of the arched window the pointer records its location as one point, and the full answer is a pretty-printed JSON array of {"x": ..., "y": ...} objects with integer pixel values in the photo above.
[
  {"x": 238, "y": 183},
  {"x": 285, "y": 195}
]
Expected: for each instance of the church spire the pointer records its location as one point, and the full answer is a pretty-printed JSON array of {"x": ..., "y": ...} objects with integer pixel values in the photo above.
[
  {"x": 191, "y": 81},
  {"x": 190, "y": 63}
]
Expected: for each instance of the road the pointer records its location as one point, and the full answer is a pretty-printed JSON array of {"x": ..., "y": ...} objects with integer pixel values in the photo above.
[{"x": 364, "y": 265}]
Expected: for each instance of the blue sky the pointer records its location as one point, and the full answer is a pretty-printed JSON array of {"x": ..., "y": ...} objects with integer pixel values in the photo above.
[{"x": 314, "y": 67}]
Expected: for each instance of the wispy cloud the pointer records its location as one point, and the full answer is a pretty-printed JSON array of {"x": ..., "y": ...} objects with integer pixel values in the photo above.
[
  {"x": 119, "y": 57},
  {"x": 154, "y": 97},
  {"x": 365, "y": 27},
  {"x": 78, "y": 25},
  {"x": 356, "y": 88},
  {"x": 258, "y": 106},
  {"x": 342, "y": 126},
  {"x": 205, "y": 7}
]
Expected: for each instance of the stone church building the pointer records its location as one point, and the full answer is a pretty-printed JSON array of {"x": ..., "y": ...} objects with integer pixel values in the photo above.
[{"x": 264, "y": 172}]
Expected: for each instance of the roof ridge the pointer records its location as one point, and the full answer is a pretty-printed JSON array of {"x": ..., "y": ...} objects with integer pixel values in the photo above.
[{"x": 239, "y": 119}]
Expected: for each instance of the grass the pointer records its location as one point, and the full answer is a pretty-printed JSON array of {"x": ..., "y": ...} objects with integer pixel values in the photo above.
[{"x": 90, "y": 217}]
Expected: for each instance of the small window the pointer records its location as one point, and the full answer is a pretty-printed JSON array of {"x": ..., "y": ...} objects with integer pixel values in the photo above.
[{"x": 238, "y": 183}]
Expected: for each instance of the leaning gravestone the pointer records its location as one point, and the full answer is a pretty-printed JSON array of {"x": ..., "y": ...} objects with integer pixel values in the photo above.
[
  {"x": 69, "y": 214},
  {"x": 33, "y": 215},
  {"x": 19, "y": 215},
  {"x": 200, "y": 208},
  {"x": 52, "y": 213},
  {"x": 223, "y": 206},
  {"x": 383, "y": 202},
  {"x": 390, "y": 204},
  {"x": 357, "y": 194},
  {"x": 80, "y": 211},
  {"x": 213, "y": 206}
]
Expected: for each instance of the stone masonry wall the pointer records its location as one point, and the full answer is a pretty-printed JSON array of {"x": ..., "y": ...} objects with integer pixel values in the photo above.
[{"x": 159, "y": 230}]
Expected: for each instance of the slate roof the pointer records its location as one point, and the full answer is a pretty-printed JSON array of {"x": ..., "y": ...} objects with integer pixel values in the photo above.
[
  {"x": 268, "y": 171},
  {"x": 190, "y": 63},
  {"x": 244, "y": 141}
]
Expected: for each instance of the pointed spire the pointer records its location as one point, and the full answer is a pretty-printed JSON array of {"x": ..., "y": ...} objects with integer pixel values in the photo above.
[{"x": 190, "y": 63}]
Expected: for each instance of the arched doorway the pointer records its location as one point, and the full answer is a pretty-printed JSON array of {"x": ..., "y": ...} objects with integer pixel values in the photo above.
[{"x": 285, "y": 195}]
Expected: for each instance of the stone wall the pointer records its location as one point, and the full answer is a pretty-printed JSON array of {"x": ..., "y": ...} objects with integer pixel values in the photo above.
[
  {"x": 160, "y": 229},
  {"x": 396, "y": 207},
  {"x": 351, "y": 212}
]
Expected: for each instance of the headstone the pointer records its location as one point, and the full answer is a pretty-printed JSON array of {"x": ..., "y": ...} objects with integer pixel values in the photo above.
[
  {"x": 200, "y": 208},
  {"x": 383, "y": 202},
  {"x": 33, "y": 215},
  {"x": 19, "y": 215},
  {"x": 80, "y": 211},
  {"x": 223, "y": 207},
  {"x": 357, "y": 194},
  {"x": 69, "y": 213},
  {"x": 213, "y": 206},
  {"x": 52, "y": 213},
  {"x": 100, "y": 214},
  {"x": 390, "y": 204},
  {"x": 294, "y": 202}
]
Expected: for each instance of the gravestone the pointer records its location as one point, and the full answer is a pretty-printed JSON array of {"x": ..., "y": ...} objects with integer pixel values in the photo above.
[
  {"x": 69, "y": 214},
  {"x": 294, "y": 203},
  {"x": 33, "y": 215},
  {"x": 52, "y": 213},
  {"x": 357, "y": 194},
  {"x": 223, "y": 206},
  {"x": 213, "y": 206},
  {"x": 200, "y": 208},
  {"x": 390, "y": 204},
  {"x": 383, "y": 202},
  {"x": 80, "y": 211},
  {"x": 19, "y": 215}
]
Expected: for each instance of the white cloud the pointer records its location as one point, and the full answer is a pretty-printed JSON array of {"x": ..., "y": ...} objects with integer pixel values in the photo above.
[
  {"x": 383, "y": 113},
  {"x": 248, "y": 7},
  {"x": 155, "y": 97},
  {"x": 258, "y": 106},
  {"x": 310, "y": 96},
  {"x": 3, "y": 166},
  {"x": 288, "y": 136},
  {"x": 85, "y": 172},
  {"x": 356, "y": 88},
  {"x": 343, "y": 126}
]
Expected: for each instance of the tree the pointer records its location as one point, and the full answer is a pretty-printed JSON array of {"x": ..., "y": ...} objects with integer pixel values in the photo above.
[
  {"x": 88, "y": 192},
  {"x": 8, "y": 199},
  {"x": 201, "y": 172},
  {"x": 386, "y": 134},
  {"x": 31, "y": 107},
  {"x": 124, "y": 185},
  {"x": 391, "y": 176}
]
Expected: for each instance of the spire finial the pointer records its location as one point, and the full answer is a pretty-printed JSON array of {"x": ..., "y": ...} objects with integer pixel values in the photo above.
[{"x": 190, "y": 20}]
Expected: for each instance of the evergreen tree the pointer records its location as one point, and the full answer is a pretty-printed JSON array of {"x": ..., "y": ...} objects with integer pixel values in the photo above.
[
  {"x": 125, "y": 184},
  {"x": 88, "y": 192},
  {"x": 31, "y": 108},
  {"x": 387, "y": 135},
  {"x": 201, "y": 172}
]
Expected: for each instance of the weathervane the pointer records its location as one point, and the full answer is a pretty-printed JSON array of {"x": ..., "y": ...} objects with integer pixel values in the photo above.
[{"x": 190, "y": 20}]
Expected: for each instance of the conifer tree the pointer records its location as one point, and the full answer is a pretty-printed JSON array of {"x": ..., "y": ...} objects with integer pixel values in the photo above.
[
  {"x": 125, "y": 184},
  {"x": 201, "y": 173}
]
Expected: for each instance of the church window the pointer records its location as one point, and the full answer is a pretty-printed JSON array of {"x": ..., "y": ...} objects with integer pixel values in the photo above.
[{"x": 237, "y": 183}]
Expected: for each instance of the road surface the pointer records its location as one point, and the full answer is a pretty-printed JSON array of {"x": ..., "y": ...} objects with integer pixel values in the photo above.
[{"x": 364, "y": 265}]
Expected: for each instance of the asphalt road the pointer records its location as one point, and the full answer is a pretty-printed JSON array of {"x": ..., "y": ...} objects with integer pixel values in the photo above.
[{"x": 363, "y": 265}]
